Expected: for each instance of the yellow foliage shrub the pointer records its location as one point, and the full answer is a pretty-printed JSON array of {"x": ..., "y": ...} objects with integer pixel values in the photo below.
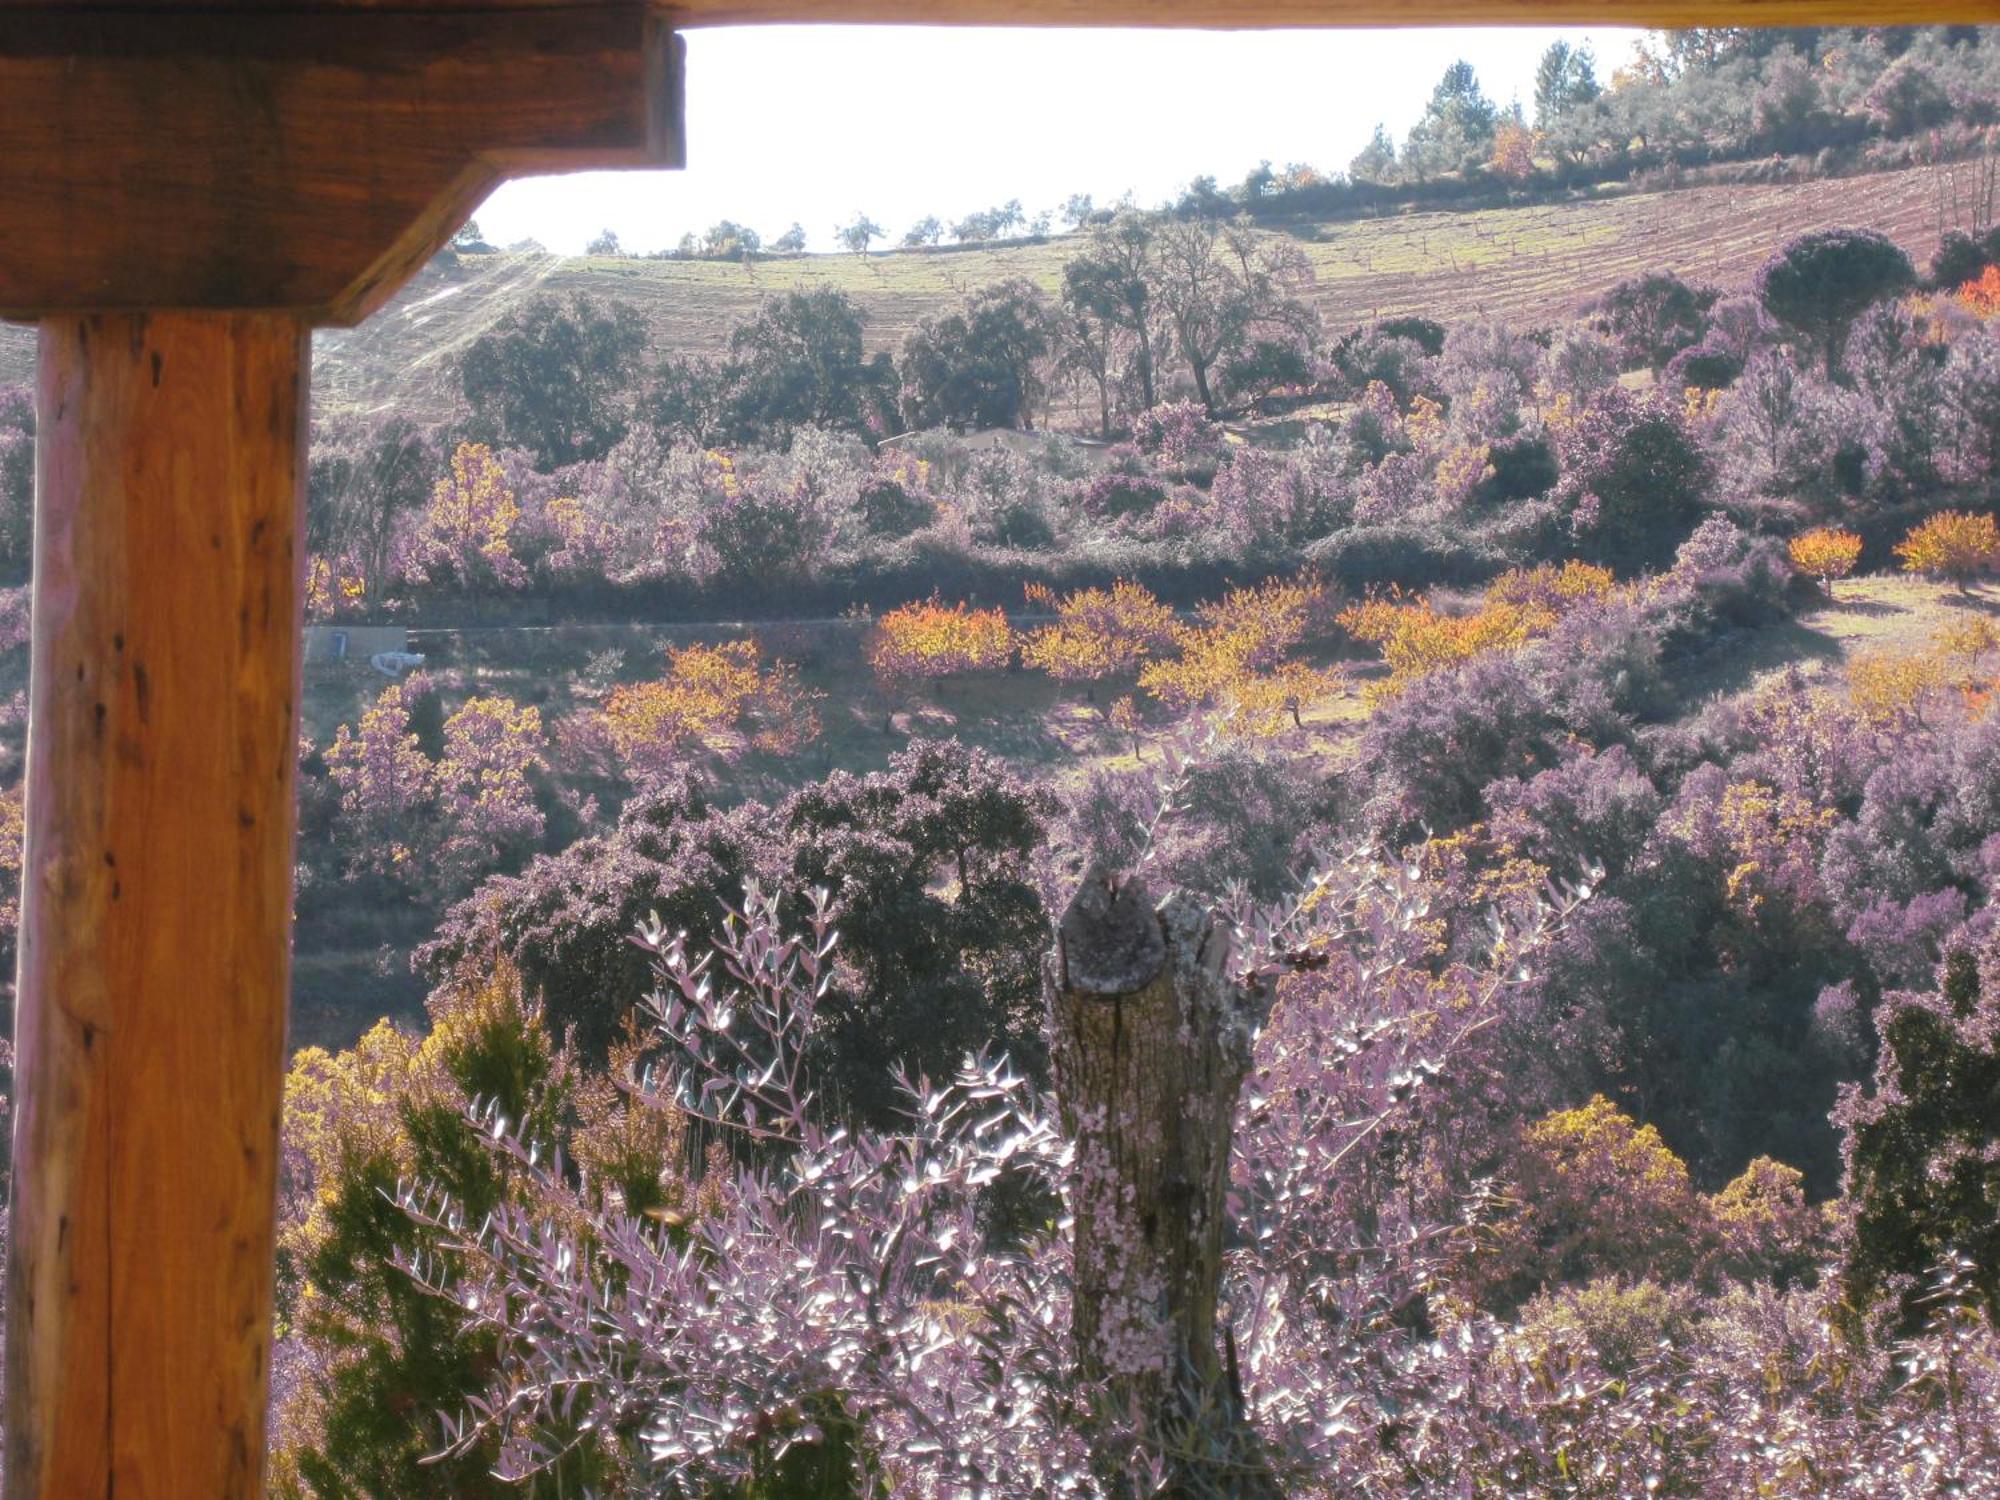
[
  {"x": 1966, "y": 635},
  {"x": 932, "y": 639},
  {"x": 1550, "y": 587},
  {"x": 1953, "y": 545},
  {"x": 1599, "y": 1194},
  {"x": 1416, "y": 638},
  {"x": 329, "y": 586},
  {"x": 1767, "y": 1229},
  {"x": 1100, "y": 633},
  {"x": 1825, "y": 553},
  {"x": 1884, "y": 686},
  {"x": 1236, "y": 656},
  {"x": 708, "y": 690}
]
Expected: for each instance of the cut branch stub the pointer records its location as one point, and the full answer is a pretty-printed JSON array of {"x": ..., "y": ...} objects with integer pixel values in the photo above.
[{"x": 1150, "y": 1045}]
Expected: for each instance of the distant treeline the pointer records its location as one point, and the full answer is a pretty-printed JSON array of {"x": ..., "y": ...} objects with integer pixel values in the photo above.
[{"x": 1818, "y": 100}]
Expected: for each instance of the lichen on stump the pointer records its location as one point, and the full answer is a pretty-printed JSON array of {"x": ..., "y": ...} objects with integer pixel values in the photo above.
[{"x": 1150, "y": 1044}]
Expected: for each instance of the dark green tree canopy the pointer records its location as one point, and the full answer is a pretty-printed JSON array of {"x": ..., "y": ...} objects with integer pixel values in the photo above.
[
  {"x": 553, "y": 377},
  {"x": 980, "y": 365},
  {"x": 1922, "y": 1149},
  {"x": 1653, "y": 317},
  {"x": 800, "y": 362},
  {"x": 1565, "y": 78},
  {"x": 1821, "y": 282},
  {"x": 941, "y": 922}
]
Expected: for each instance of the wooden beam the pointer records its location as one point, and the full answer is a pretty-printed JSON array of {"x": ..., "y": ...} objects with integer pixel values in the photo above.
[
  {"x": 156, "y": 903},
  {"x": 307, "y": 161},
  {"x": 1263, "y": 14},
  {"x": 1219, "y": 14}
]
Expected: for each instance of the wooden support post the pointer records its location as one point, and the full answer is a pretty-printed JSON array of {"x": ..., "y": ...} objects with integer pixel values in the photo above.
[
  {"x": 156, "y": 903},
  {"x": 186, "y": 189}
]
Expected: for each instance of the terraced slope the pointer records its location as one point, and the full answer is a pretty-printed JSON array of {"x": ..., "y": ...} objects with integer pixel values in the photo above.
[{"x": 1529, "y": 265}]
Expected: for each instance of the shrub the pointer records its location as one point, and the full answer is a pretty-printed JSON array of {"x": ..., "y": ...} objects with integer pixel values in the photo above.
[
  {"x": 1550, "y": 588},
  {"x": 1264, "y": 368},
  {"x": 1765, "y": 1228},
  {"x": 764, "y": 533},
  {"x": 1241, "y": 816},
  {"x": 887, "y": 508},
  {"x": 1981, "y": 294},
  {"x": 1430, "y": 754},
  {"x": 943, "y": 930},
  {"x": 1702, "y": 368},
  {"x": 1960, "y": 258},
  {"x": 1426, "y": 333},
  {"x": 1521, "y": 468},
  {"x": 1633, "y": 479},
  {"x": 1952, "y": 545},
  {"x": 1237, "y": 655},
  {"x": 1825, "y": 553},
  {"x": 389, "y": 1357},
  {"x": 1417, "y": 639},
  {"x": 919, "y": 642},
  {"x": 1622, "y": 1324},
  {"x": 1100, "y": 634},
  {"x": 1887, "y": 687},
  {"x": 1357, "y": 557},
  {"x": 1269, "y": 503},
  {"x": 1114, "y": 496},
  {"x": 464, "y": 536},
  {"x": 1920, "y": 1146},
  {"x": 1600, "y": 1195},
  {"x": 705, "y": 691},
  {"x": 1723, "y": 577},
  {"x": 1397, "y": 363},
  {"x": 1180, "y": 434},
  {"x": 1653, "y": 317}
]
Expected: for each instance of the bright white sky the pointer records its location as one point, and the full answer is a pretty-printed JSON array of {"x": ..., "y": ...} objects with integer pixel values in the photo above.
[{"x": 815, "y": 123}]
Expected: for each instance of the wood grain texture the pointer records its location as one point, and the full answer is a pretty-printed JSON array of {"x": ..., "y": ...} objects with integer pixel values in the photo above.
[
  {"x": 156, "y": 896},
  {"x": 1261, "y": 14},
  {"x": 1149, "y": 1046},
  {"x": 305, "y": 161},
  {"x": 1223, "y": 14}
]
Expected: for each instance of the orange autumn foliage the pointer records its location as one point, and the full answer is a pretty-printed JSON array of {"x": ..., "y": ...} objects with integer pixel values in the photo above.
[
  {"x": 1513, "y": 154},
  {"x": 1417, "y": 638},
  {"x": 1100, "y": 633},
  {"x": 708, "y": 690},
  {"x": 1954, "y": 545},
  {"x": 932, "y": 639},
  {"x": 1825, "y": 553},
  {"x": 1982, "y": 294},
  {"x": 1236, "y": 656}
]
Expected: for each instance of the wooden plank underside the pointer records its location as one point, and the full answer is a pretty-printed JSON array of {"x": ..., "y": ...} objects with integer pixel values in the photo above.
[
  {"x": 1263, "y": 14},
  {"x": 1225, "y": 14},
  {"x": 308, "y": 162}
]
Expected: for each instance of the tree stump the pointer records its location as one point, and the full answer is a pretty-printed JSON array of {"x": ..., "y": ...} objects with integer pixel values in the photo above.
[{"x": 1150, "y": 1045}]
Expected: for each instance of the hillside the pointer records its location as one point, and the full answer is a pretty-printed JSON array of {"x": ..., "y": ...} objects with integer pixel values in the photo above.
[{"x": 1527, "y": 265}]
